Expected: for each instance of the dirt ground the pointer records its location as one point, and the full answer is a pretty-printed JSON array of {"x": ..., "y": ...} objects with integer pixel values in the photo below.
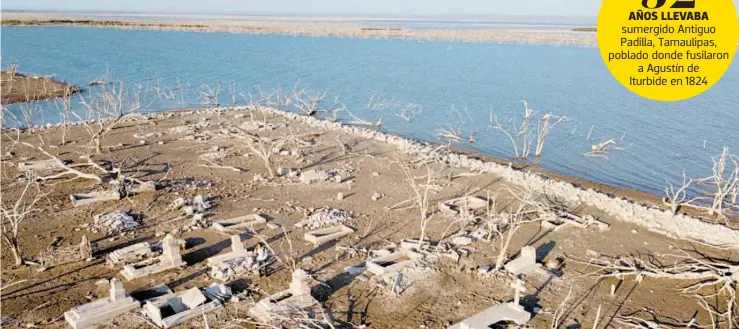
[
  {"x": 441, "y": 292},
  {"x": 21, "y": 88}
]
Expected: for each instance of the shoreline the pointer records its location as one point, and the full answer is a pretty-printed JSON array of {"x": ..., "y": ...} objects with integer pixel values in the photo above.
[
  {"x": 572, "y": 37},
  {"x": 20, "y": 88},
  {"x": 627, "y": 205}
]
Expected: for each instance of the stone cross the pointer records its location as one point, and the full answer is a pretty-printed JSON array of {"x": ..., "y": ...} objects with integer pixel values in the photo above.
[
  {"x": 518, "y": 288},
  {"x": 236, "y": 244}
]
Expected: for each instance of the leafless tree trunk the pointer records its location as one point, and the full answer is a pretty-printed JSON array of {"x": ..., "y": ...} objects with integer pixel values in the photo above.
[
  {"x": 421, "y": 188},
  {"x": 14, "y": 215},
  {"x": 677, "y": 198},
  {"x": 260, "y": 146},
  {"x": 106, "y": 110},
  {"x": 546, "y": 123}
]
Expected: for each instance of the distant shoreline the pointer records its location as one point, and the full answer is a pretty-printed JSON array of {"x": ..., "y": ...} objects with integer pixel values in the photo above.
[{"x": 577, "y": 37}]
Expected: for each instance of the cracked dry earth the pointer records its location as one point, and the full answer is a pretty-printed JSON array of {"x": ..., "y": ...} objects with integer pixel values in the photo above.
[{"x": 443, "y": 293}]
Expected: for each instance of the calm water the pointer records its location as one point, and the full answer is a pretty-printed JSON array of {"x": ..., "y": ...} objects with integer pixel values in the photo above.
[{"x": 662, "y": 138}]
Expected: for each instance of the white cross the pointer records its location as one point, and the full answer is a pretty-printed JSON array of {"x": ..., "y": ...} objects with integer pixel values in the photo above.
[{"x": 518, "y": 288}]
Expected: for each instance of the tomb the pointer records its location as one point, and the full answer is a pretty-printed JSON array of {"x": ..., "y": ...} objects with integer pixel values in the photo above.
[
  {"x": 469, "y": 203},
  {"x": 389, "y": 264},
  {"x": 169, "y": 259},
  {"x": 130, "y": 253},
  {"x": 239, "y": 223},
  {"x": 409, "y": 244},
  {"x": 40, "y": 166},
  {"x": 322, "y": 236},
  {"x": 237, "y": 251},
  {"x": 174, "y": 309},
  {"x": 524, "y": 263},
  {"x": 93, "y": 197},
  {"x": 100, "y": 311},
  {"x": 282, "y": 304},
  {"x": 505, "y": 312},
  {"x": 65, "y": 255}
]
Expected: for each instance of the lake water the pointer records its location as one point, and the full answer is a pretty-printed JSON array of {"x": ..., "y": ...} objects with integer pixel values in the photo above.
[{"x": 663, "y": 139}]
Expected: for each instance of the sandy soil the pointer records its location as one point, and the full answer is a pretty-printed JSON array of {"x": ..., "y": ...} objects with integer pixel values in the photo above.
[
  {"x": 21, "y": 88},
  {"x": 442, "y": 293}
]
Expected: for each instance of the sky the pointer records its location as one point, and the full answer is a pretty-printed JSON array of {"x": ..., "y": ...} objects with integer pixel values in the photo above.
[{"x": 322, "y": 7}]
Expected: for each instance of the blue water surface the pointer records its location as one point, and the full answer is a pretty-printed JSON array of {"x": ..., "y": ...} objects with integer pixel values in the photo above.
[{"x": 661, "y": 139}]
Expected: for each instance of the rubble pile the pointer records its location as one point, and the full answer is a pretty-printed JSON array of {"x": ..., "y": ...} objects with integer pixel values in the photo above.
[
  {"x": 231, "y": 268},
  {"x": 114, "y": 222},
  {"x": 324, "y": 217}
]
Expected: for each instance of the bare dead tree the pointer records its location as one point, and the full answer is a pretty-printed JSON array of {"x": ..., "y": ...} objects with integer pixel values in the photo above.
[
  {"x": 676, "y": 198},
  {"x": 725, "y": 181},
  {"x": 421, "y": 188},
  {"x": 717, "y": 276},
  {"x": 309, "y": 105},
  {"x": 15, "y": 213},
  {"x": 260, "y": 146},
  {"x": 210, "y": 95},
  {"x": 546, "y": 123},
  {"x": 408, "y": 111},
  {"x": 375, "y": 105},
  {"x": 105, "y": 109},
  {"x": 604, "y": 148},
  {"x": 525, "y": 211},
  {"x": 451, "y": 134}
]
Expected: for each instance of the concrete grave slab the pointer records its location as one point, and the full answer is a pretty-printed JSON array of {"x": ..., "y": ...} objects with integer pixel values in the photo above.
[
  {"x": 506, "y": 312},
  {"x": 40, "y": 166},
  {"x": 85, "y": 199},
  {"x": 322, "y": 236},
  {"x": 409, "y": 244},
  {"x": 170, "y": 259},
  {"x": 130, "y": 253},
  {"x": 297, "y": 298},
  {"x": 389, "y": 264},
  {"x": 524, "y": 263},
  {"x": 237, "y": 251},
  {"x": 469, "y": 203},
  {"x": 103, "y": 310},
  {"x": 174, "y": 309},
  {"x": 239, "y": 223}
]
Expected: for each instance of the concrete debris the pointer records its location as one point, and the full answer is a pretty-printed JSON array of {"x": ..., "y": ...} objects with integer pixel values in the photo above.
[
  {"x": 400, "y": 281},
  {"x": 257, "y": 125},
  {"x": 524, "y": 263},
  {"x": 65, "y": 255},
  {"x": 147, "y": 135},
  {"x": 324, "y": 217},
  {"x": 170, "y": 259},
  {"x": 101, "y": 311},
  {"x": 40, "y": 167},
  {"x": 129, "y": 254},
  {"x": 284, "y": 171},
  {"x": 93, "y": 197},
  {"x": 313, "y": 176},
  {"x": 114, "y": 222},
  {"x": 389, "y": 264},
  {"x": 505, "y": 312},
  {"x": 186, "y": 305},
  {"x": 288, "y": 302},
  {"x": 559, "y": 218},
  {"x": 377, "y": 196},
  {"x": 183, "y": 130},
  {"x": 213, "y": 156},
  {"x": 239, "y": 223},
  {"x": 468, "y": 203},
  {"x": 321, "y": 236},
  {"x": 236, "y": 262},
  {"x": 462, "y": 240}
]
